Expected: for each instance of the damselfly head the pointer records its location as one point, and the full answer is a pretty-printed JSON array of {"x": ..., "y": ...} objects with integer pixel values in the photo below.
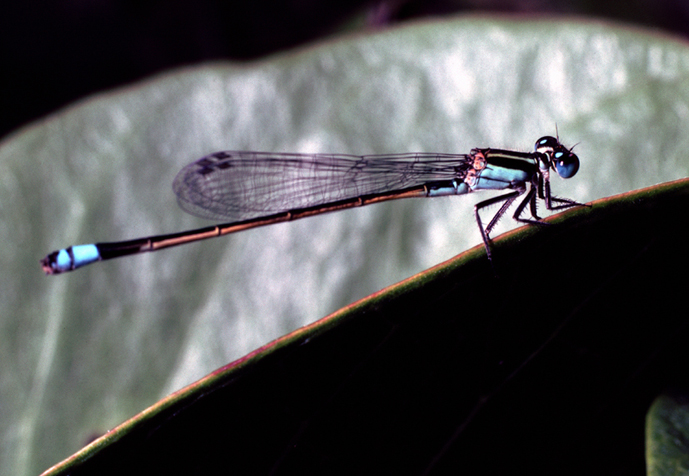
[
  {"x": 562, "y": 159},
  {"x": 547, "y": 145},
  {"x": 565, "y": 162}
]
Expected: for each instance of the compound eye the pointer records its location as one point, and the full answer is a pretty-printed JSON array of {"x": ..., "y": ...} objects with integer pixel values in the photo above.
[
  {"x": 546, "y": 145},
  {"x": 565, "y": 162}
]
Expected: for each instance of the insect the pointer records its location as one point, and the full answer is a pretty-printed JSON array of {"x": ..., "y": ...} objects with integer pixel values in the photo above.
[{"x": 251, "y": 189}]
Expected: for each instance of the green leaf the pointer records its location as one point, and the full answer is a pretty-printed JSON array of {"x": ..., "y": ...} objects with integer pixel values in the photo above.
[
  {"x": 85, "y": 351},
  {"x": 441, "y": 372},
  {"x": 667, "y": 435}
]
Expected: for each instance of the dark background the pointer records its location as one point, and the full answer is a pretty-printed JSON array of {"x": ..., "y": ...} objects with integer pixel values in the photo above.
[{"x": 54, "y": 53}]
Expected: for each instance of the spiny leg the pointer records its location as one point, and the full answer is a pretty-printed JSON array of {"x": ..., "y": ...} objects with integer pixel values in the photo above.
[
  {"x": 485, "y": 233},
  {"x": 564, "y": 202},
  {"x": 530, "y": 199},
  {"x": 509, "y": 200},
  {"x": 533, "y": 205}
]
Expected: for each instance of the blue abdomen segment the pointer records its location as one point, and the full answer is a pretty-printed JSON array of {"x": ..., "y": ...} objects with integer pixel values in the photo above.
[
  {"x": 70, "y": 258},
  {"x": 500, "y": 178}
]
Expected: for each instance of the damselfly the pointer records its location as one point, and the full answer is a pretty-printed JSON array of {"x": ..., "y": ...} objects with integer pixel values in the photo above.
[{"x": 251, "y": 189}]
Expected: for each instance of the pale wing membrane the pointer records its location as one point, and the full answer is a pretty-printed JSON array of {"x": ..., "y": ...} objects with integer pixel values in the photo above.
[{"x": 238, "y": 186}]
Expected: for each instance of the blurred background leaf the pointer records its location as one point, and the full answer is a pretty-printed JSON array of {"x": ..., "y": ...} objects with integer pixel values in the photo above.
[
  {"x": 56, "y": 52},
  {"x": 667, "y": 434},
  {"x": 83, "y": 352}
]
